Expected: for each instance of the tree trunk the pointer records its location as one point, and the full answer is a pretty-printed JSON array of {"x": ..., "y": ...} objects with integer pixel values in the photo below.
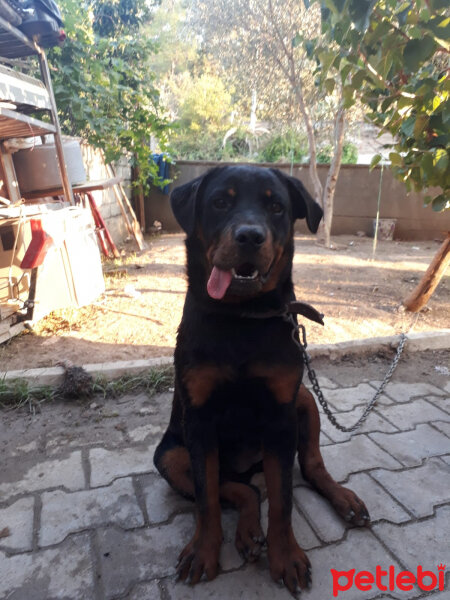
[
  {"x": 317, "y": 185},
  {"x": 333, "y": 173},
  {"x": 426, "y": 286}
]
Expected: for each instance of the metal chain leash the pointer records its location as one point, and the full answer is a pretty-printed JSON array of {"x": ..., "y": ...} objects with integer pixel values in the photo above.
[{"x": 302, "y": 345}]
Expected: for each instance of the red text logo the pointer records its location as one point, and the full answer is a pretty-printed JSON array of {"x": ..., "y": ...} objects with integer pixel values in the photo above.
[{"x": 388, "y": 580}]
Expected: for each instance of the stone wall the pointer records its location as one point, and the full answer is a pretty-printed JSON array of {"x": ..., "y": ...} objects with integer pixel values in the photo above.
[{"x": 355, "y": 201}]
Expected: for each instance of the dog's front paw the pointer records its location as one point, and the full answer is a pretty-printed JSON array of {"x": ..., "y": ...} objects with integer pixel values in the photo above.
[
  {"x": 200, "y": 557},
  {"x": 288, "y": 563},
  {"x": 351, "y": 508}
]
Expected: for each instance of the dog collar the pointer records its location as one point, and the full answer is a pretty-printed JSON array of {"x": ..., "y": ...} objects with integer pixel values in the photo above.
[{"x": 292, "y": 308}]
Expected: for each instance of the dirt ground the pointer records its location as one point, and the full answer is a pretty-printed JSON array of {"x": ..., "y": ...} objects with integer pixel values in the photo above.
[{"x": 138, "y": 315}]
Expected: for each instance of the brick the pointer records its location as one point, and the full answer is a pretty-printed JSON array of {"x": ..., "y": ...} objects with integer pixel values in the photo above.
[
  {"x": 21, "y": 476},
  {"x": 411, "y": 447},
  {"x": 107, "y": 465},
  {"x": 64, "y": 513},
  {"x": 161, "y": 500},
  {"x": 404, "y": 392},
  {"x": 417, "y": 411},
  {"x": 374, "y": 422},
  {"x": 304, "y": 534},
  {"x": 419, "y": 543},
  {"x": 58, "y": 573},
  {"x": 345, "y": 399},
  {"x": 18, "y": 518},
  {"x": 128, "y": 557},
  {"x": 419, "y": 489},
  {"x": 320, "y": 514},
  {"x": 358, "y": 454},
  {"x": 378, "y": 502}
]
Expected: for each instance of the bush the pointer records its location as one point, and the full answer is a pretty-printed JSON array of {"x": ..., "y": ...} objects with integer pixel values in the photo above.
[
  {"x": 349, "y": 154},
  {"x": 285, "y": 146}
]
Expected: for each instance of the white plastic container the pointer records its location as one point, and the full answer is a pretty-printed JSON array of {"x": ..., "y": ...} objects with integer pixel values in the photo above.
[{"x": 37, "y": 167}]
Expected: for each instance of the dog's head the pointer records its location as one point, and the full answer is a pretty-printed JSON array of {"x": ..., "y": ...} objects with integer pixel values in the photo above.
[{"x": 243, "y": 219}]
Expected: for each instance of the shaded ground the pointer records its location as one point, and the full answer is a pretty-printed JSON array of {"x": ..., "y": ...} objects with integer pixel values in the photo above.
[{"x": 139, "y": 314}]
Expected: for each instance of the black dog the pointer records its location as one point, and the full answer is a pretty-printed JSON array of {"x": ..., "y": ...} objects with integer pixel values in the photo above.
[{"x": 239, "y": 405}]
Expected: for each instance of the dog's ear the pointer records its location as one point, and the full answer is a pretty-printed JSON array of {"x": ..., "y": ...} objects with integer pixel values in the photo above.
[
  {"x": 303, "y": 204},
  {"x": 183, "y": 201}
]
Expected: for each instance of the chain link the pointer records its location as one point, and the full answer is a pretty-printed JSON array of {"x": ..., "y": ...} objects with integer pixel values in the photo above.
[{"x": 302, "y": 345}]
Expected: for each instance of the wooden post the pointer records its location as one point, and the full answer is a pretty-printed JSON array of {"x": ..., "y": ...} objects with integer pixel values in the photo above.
[{"x": 426, "y": 286}]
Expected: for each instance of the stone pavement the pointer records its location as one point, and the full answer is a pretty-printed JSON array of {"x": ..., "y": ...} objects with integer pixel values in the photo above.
[{"x": 84, "y": 515}]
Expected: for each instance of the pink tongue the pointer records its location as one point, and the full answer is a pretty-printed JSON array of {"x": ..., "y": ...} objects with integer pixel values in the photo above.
[{"x": 218, "y": 283}]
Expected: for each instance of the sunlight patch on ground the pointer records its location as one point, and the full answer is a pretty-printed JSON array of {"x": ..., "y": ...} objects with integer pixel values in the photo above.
[{"x": 353, "y": 261}]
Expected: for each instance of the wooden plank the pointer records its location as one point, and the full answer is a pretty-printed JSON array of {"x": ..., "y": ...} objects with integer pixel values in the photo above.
[
  {"x": 88, "y": 186},
  {"x": 9, "y": 175},
  {"x": 14, "y": 124}
]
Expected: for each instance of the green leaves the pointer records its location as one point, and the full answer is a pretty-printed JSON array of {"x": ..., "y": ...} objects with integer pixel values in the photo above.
[
  {"x": 418, "y": 51},
  {"x": 393, "y": 58},
  {"x": 104, "y": 89}
]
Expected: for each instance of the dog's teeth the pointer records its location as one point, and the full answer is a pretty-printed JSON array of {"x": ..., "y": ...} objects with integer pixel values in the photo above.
[{"x": 254, "y": 275}]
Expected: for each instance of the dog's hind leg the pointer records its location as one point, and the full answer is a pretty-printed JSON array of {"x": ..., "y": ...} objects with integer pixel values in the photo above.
[
  {"x": 346, "y": 503},
  {"x": 173, "y": 462}
]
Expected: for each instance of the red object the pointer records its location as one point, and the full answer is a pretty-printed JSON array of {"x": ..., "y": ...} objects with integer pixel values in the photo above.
[
  {"x": 103, "y": 234},
  {"x": 38, "y": 248}
]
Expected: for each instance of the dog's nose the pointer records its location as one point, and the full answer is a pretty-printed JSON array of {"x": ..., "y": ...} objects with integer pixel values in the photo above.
[{"x": 253, "y": 235}]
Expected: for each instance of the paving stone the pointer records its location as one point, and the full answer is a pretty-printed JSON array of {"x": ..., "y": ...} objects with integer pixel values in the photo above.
[
  {"x": 320, "y": 514},
  {"x": 411, "y": 447},
  {"x": 145, "y": 591},
  {"x": 345, "y": 399},
  {"x": 107, "y": 465},
  {"x": 252, "y": 583},
  {"x": 324, "y": 439},
  {"x": 374, "y": 422},
  {"x": 415, "y": 413},
  {"x": 419, "y": 489},
  {"x": 358, "y": 454},
  {"x": 128, "y": 557},
  {"x": 444, "y": 427},
  {"x": 404, "y": 392},
  {"x": 422, "y": 543},
  {"x": 64, "y": 513},
  {"x": 18, "y": 518},
  {"x": 360, "y": 551},
  {"x": 64, "y": 572},
  {"x": 139, "y": 434},
  {"x": 446, "y": 459},
  {"x": 304, "y": 534},
  {"x": 161, "y": 500},
  {"x": 24, "y": 477},
  {"x": 442, "y": 403},
  {"x": 379, "y": 504},
  {"x": 324, "y": 382}
]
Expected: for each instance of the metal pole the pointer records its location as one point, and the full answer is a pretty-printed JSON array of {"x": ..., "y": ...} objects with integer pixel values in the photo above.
[{"x": 45, "y": 71}]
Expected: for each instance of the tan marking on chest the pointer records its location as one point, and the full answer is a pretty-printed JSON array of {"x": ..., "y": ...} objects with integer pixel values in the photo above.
[{"x": 201, "y": 381}]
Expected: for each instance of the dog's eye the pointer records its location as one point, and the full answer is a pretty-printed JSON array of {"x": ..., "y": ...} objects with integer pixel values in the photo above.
[
  {"x": 276, "y": 208},
  {"x": 221, "y": 203}
]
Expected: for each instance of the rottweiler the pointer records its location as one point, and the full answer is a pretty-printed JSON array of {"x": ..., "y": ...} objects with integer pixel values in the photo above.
[{"x": 239, "y": 404}]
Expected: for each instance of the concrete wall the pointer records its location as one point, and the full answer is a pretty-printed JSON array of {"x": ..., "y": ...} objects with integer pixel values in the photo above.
[{"x": 355, "y": 201}]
